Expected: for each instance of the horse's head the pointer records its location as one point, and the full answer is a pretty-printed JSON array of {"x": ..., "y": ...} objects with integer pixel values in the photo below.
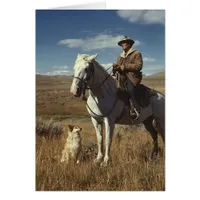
[{"x": 83, "y": 72}]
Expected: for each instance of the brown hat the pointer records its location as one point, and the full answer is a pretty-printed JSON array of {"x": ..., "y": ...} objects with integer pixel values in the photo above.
[{"x": 126, "y": 39}]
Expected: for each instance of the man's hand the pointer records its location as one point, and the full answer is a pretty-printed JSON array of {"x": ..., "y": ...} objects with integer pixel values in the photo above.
[{"x": 117, "y": 67}]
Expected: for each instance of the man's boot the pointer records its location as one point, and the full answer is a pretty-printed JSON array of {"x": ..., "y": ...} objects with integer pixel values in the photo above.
[{"x": 134, "y": 109}]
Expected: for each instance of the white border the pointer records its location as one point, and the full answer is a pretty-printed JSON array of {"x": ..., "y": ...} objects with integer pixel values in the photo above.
[{"x": 18, "y": 99}]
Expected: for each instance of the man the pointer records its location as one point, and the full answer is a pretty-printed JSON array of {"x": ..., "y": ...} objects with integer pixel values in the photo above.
[{"x": 129, "y": 64}]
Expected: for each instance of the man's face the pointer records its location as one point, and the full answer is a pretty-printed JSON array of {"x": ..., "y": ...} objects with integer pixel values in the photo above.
[{"x": 125, "y": 46}]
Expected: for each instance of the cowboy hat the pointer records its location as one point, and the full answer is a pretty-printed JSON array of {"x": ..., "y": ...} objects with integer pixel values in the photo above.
[{"x": 126, "y": 39}]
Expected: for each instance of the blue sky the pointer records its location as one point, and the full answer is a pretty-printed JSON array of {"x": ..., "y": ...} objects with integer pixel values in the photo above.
[{"x": 62, "y": 34}]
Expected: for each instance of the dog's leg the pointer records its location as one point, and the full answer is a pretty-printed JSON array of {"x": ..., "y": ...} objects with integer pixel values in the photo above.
[
  {"x": 99, "y": 130},
  {"x": 62, "y": 159},
  {"x": 65, "y": 156},
  {"x": 109, "y": 126}
]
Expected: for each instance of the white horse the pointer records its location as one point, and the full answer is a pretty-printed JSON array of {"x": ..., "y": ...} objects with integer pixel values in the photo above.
[{"x": 105, "y": 108}]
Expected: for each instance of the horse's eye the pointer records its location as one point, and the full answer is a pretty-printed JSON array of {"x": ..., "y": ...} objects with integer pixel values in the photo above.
[{"x": 86, "y": 69}]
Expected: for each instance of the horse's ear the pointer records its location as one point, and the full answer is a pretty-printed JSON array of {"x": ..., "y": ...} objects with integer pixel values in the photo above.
[{"x": 92, "y": 57}]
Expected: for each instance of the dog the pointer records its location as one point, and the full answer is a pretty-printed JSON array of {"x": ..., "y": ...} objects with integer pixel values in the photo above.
[{"x": 73, "y": 145}]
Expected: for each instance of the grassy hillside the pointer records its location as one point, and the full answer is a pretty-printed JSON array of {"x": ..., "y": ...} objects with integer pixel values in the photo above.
[
  {"x": 53, "y": 95},
  {"x": 131, "y": 168}
]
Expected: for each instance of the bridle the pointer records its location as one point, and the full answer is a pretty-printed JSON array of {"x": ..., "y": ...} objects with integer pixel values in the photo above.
[
  {"x": 86, "y": 87},
  {"x": 88, "y": 78}
]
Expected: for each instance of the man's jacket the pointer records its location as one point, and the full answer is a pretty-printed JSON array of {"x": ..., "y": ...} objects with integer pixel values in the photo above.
[{"x": 133, "y": 64}]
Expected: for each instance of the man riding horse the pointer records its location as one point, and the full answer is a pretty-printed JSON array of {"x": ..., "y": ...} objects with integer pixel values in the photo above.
[{"x": 129, "y": 65}]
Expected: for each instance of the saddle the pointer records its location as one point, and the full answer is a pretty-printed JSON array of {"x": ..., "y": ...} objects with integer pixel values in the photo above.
[
  {"x": 142, "y": 95},
  {"x": 142, "y": 92}
]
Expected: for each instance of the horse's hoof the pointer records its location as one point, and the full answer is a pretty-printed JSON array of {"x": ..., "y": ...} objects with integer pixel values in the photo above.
[
  {"x": 97, "y": 160},
  {"x": 155, "y": 155},
  {"x": 104, "y": 164},
  {"x": 78, "y": 162}
]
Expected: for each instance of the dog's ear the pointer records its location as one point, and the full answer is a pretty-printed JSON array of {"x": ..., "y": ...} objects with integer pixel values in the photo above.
[{"x": 70, "y": 127}]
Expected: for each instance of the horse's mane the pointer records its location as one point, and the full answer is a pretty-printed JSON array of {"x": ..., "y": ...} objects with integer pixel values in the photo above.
[
  {"x": 83, "y": 58},
  {"x": 103, "y": 74},
  {"x": 100, "y": 66}
]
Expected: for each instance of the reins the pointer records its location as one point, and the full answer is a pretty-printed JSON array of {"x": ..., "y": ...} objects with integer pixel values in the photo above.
[{"x": 85, "y": 87}]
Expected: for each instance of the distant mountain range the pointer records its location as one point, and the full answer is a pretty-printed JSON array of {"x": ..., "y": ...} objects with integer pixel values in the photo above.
[{"x": 160, "y": 74}]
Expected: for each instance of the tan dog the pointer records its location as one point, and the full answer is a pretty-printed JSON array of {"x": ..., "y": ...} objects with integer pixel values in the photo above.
[{"x": 73, "y": 145}]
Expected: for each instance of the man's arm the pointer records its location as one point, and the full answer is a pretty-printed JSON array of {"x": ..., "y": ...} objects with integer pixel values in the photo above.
[
  {"x": 118, "y": 60},
  {"x": 136, "y": 66},
  {"x": 116, "y": 65}
]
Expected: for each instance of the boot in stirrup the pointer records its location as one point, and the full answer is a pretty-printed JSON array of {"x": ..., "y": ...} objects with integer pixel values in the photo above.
[{"x": 134, "y": 112}]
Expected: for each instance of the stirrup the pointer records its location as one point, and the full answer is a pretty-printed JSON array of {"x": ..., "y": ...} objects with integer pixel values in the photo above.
[{"x": 132, "y": 113}]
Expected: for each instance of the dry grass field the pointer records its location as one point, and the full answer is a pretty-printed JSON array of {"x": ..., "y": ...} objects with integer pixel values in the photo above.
[{"x": 131, "y": 168}]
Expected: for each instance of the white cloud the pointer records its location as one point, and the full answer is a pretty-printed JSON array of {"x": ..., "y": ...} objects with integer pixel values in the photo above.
[
  {"x": 98, "y": 42},
  {"x": 149, "y": 74},
  {"x": 143, "y": 16},
  {"x": 148, "y": 59},
  {"x": 59, "y": 72},
  {"x": 106, "y": 66},
  {"x": 61, "y": 67}
]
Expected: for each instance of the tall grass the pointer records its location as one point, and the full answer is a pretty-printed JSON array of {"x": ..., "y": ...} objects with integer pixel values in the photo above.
[
  {"x": 131, "y": 168},
  {"x": 48, "y": 128}
]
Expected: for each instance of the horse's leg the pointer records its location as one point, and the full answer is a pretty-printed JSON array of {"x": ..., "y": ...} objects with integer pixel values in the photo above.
[
  {"x": 160, "y": 126},
  {"x": 99, "y": 130},
  {"x": 159, "y": 114},
  {"x": 148, "y": 123},
  {"x": 109, "y": 126}
]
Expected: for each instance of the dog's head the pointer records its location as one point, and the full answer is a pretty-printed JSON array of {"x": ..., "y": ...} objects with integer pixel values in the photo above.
[{"x": 74, "y": 128}]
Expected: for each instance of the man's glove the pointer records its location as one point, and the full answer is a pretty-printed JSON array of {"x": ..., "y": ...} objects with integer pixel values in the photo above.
[{"x": 117, "y": 67}]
